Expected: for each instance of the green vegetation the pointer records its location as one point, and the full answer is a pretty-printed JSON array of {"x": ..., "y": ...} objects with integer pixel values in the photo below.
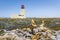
[{"x": 7, "y": 23}]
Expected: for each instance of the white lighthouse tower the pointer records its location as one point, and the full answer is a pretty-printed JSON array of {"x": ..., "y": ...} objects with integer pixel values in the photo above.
[{"x": 22, "y": 13}]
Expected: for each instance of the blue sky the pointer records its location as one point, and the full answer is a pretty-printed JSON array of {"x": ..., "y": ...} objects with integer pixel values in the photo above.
[{"x": 33, "y": 8}]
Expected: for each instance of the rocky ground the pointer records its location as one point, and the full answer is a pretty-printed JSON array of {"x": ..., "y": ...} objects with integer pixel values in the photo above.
[{"x": 36, "y": 33}]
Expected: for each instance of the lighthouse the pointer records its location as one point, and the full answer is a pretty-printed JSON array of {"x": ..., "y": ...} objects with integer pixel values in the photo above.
[{"x": 21, "y": 14}]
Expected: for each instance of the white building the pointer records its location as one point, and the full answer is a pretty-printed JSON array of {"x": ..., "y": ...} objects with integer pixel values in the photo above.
[{"x": 21, "y": 15}]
